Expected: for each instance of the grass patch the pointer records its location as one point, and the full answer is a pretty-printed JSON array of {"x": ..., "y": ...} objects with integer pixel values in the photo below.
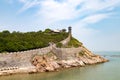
[
  {"x": 59, "y": 45},
  {"x": 74, "y": 43}
]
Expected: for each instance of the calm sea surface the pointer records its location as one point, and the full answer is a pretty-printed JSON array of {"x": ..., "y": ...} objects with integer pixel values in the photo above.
[{"x": 105, "y": 71}]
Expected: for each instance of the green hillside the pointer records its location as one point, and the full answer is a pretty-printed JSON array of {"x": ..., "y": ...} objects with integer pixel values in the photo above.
[{"x": 18, "y": 41}]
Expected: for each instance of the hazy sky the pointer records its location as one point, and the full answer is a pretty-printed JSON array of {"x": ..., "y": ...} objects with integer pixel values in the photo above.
[{"x": 94, "y": 22}]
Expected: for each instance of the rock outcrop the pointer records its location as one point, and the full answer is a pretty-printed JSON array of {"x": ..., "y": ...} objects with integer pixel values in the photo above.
[{"x": 47, "y": 63}]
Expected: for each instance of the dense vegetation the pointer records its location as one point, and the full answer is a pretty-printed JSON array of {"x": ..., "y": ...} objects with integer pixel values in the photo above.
[{"x": 18, "y": 41}]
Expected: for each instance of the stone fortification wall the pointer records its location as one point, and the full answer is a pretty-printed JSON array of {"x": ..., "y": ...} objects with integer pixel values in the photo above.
[
  {"x": 20, "y": 59},
  {"x": 66, "y": 53},
  {"x": 38, "y": 51},
  {"x": 65, "y": 41}
]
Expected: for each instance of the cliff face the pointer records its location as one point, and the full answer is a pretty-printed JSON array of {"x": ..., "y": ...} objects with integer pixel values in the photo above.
[{"x": 49, "y": 58}]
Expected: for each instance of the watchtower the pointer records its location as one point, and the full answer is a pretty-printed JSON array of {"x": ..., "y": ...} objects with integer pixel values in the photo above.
[{"x": 70, "y": 29}]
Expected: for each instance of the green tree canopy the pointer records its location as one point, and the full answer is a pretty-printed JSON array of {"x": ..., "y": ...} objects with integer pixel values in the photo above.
[{"x": 18, "y": 41}]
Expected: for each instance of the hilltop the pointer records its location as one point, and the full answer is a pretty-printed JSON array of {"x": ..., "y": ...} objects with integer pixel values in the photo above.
[{"x": 19, "y": 41}]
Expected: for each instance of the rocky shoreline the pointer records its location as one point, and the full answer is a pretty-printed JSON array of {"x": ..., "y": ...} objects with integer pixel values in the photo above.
[
  {"x": 48, "y": 63},
  {"x": 45, "y": 64}
]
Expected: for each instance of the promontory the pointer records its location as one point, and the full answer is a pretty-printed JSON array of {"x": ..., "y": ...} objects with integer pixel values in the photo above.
[{"x": 43, "y": 51}]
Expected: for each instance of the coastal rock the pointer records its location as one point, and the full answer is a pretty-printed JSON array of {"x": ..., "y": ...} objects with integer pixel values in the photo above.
[{"x": 50, "y": 63}]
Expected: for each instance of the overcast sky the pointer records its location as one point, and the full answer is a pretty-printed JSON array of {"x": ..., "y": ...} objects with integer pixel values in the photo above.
[{"x": 94, "y": 22}]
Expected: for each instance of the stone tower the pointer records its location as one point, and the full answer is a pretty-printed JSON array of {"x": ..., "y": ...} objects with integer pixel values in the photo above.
[{"x": 70, "y": 29}]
